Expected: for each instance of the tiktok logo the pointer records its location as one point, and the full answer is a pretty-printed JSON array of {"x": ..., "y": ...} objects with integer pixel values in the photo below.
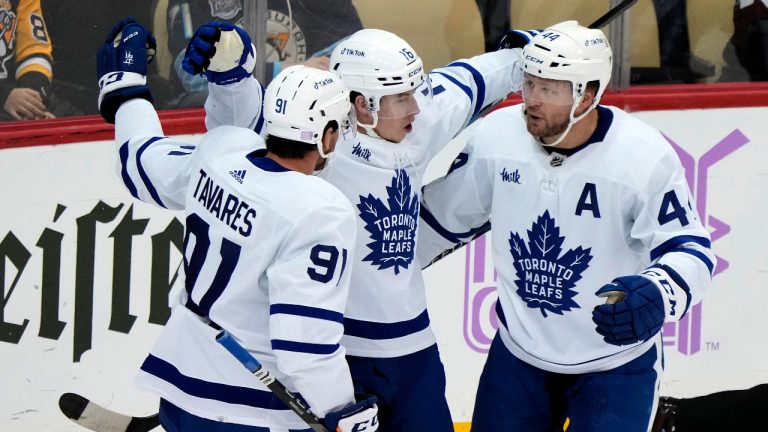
[{"x": 481, "y": 321}]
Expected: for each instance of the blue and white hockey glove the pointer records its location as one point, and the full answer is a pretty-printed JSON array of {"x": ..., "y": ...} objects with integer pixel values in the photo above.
[
  {"x": 358, "y": 417},
  {"x": 633, "y": 313},
  {"x": 515, "y": 38},
  {"x": 121, "y": 65},
  {"x": 222, "y": 51}
]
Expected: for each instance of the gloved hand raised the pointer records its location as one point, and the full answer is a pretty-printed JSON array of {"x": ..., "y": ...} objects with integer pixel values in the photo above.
[
  {"x": 515, "y": 38},
  {"x": 222, "y": 51},
  {"x": 121, "y": 65},
  {"x": 634, "y": 312},
  {"x": 359, "y": 417}
]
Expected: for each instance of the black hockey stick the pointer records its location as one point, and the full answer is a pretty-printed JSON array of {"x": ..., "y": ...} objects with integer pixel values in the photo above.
[
  {"x": 604, "y": 20},
  {"x": 279, "y": 390},
  {"x": 96, "y": 418}
]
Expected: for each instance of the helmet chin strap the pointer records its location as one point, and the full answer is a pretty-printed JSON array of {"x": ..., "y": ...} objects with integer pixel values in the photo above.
[
  {"x": 369, "y": 127},
  {"x": 573, "y": 121}
]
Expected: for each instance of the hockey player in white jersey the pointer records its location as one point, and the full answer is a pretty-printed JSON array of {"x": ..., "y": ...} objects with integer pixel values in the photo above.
[
  {"x": 405, "y": 117},
  {"x": 266, "y": 248},
  {"x": 595, "y": 239}
]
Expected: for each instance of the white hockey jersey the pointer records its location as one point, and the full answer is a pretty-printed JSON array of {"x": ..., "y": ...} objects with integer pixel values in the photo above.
[
  {"x": 267, "y": 255},
  {"x": 565, "y": 223},
  {"x": 386, "y": 314}
]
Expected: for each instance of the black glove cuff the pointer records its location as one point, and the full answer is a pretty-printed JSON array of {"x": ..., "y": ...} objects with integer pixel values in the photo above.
[{"x": 112, "y": 100}]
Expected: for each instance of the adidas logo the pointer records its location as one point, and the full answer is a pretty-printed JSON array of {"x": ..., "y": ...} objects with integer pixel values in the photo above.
[{"x": 238, "y": 175}]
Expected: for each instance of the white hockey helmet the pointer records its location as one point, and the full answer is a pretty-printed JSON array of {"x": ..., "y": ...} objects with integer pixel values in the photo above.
[
  {"x": 377, "y": 63},
  {"x": 300, "y": 101},
  {"x": 570, "y": 52}
]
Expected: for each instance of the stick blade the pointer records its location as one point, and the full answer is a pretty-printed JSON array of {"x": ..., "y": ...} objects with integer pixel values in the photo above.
[{"x": 96, "y": 418}]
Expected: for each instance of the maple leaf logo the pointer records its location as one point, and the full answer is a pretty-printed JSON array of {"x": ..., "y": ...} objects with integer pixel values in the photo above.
[
  {"x": 392, "y": 226},
  {"x": 545, "y": 280}
]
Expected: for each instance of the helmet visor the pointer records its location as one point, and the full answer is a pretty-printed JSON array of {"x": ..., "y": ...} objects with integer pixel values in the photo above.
[
  {"x": 407, "y": 103},
  {"x": 547, "y": 91}
]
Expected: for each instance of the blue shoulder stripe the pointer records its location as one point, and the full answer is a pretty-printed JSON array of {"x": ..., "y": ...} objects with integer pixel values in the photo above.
[
  {"x": 260, "y": 120},
  {"x": 124, "y": 171},
  {"x": 144, "y": 177},
  {"x": 479, "y": 83},
  {"x": 306, "y": 311},
  {"x": 210, "y": 390},
  {"x": 304, "y": 347}
]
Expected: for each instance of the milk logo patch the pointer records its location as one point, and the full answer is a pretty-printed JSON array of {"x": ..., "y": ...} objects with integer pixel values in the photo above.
[
  {"x": 545, "y": 278},
  {"x": 392, "y": 225}
]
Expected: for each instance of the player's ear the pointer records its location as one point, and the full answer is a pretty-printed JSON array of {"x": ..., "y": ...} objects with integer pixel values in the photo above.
[
  {"x": 361, "y": 108},
  {"x": 330, "y": 137}
]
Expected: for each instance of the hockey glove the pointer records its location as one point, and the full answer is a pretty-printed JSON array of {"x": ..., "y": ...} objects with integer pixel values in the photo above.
[
  {"x": 121, "y": 65},
  {"x": 515, "y": 38},
  {"x": 222, "y": 51},
  {"x": 636, "y": 317},
  {"x": 358, "y": 417}
]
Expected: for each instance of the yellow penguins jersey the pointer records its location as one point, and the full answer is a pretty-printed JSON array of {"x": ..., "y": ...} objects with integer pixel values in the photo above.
[{"x": 25, "y": 48}]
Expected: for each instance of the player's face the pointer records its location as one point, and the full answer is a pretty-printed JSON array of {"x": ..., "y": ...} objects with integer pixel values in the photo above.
[
  {"x": 396, "y": 115},
  {"x": 548, "y": 106}
]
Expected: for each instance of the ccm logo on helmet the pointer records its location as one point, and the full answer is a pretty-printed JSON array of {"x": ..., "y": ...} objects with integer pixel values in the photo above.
[
  {"x": 323, "y": 83},
  {"x": 352, "y": 52},
  {"x": 415, "y": 71},
  {"x": 534, "y": 59}
]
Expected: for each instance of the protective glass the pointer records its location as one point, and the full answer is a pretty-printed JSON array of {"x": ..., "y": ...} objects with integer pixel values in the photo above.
[
  {"x": 547, "y": 91},
  {"x": 408, "y": 103}
]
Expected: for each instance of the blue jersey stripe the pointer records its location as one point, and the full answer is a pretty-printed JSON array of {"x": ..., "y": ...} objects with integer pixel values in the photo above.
[
  {"x": 306, "y": 311},
  {"x": 124, "y": 171},
  {"x": 260, "y": 120},
  {"x": 479, "y": 83},
  {"x": 674, "y": 242},
  {"x": 178, "y": 153},
  {"x": 304, "y": 347},
  {"x": 429, "y": 218},
  {"x": 698, "y": 254},
  {"x": 379, "y": 330},
  {"x": 210, "y": 390},
  {"x": 143, "y": 174},
  {"x": 458, "y": 84}
]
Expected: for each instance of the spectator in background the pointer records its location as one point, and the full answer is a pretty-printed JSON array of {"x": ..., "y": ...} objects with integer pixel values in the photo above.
[
  {"x": 297, "y": 30},
  {"x": 677, "y": 63},
  {"x": 495, "y": 17},
  {"x": 746, "y": 54},
  {"x": 25, "y": 61},
  {"x": 73, "y": 86}
]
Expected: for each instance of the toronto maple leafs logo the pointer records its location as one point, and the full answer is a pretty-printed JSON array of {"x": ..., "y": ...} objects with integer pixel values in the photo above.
[
  {"x": 392, "y": 226},
  {"x": 545, "y": 280}
]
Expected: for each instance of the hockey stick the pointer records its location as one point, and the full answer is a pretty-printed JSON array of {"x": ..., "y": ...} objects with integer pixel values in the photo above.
[
  {"x": 279, "y": 390},
  {"x": 101, "y": 419},
  {"x": 604, "y": 20},
  {"x": 96, "y": 418}
]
